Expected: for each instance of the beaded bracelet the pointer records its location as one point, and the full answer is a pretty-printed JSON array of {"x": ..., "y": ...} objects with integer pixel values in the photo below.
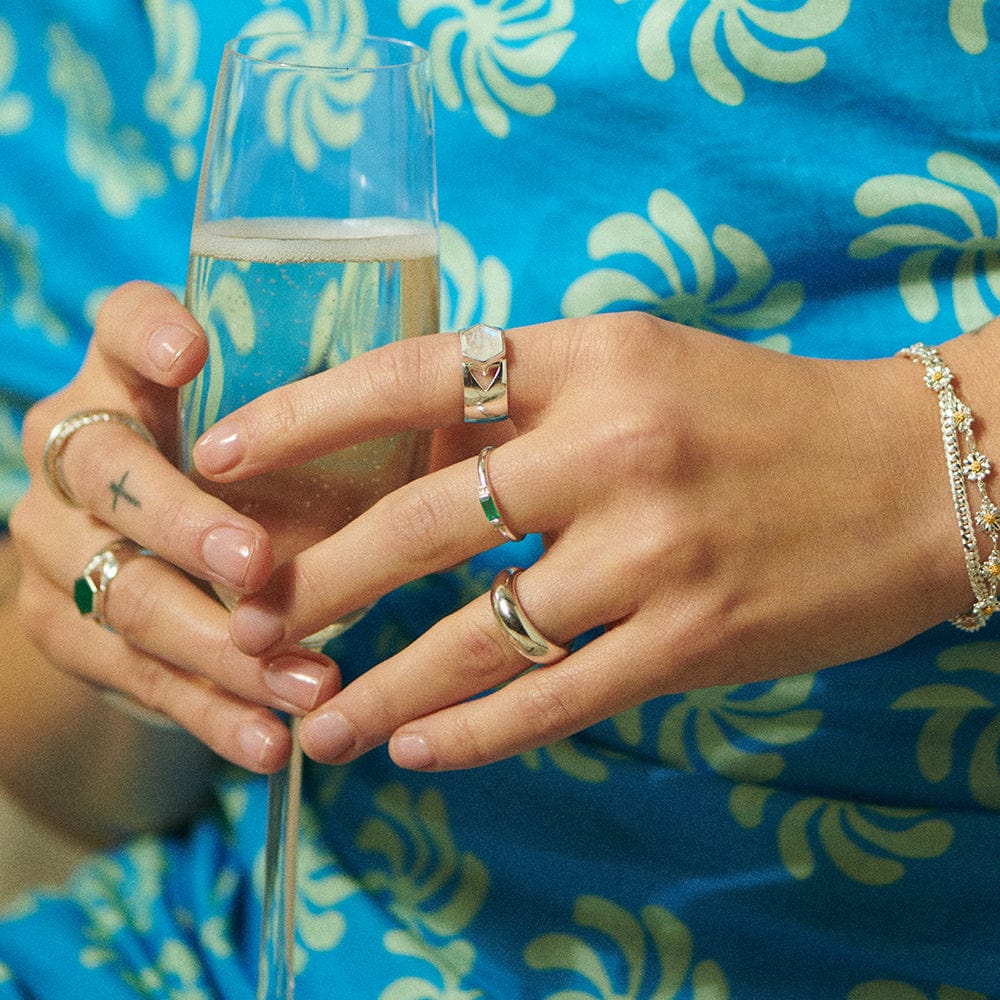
[{"x": 973, "y": 467}]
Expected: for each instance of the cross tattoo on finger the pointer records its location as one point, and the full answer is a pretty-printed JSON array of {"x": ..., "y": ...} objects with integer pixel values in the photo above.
[{"x": 120, "y": 493}]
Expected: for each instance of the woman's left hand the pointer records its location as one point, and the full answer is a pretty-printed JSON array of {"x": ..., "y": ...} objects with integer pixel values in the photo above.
[{"x": 725, "y": 512}]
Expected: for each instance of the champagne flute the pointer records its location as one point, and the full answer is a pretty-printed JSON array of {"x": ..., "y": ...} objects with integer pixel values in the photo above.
[{"x": 314, "y": 239}]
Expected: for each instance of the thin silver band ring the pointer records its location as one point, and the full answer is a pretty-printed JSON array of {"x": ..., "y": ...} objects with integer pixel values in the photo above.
[
  {"x": 517, "y": 626},
  {"x": 488, "y": 501},
  {"x": 64, "y": 430}
]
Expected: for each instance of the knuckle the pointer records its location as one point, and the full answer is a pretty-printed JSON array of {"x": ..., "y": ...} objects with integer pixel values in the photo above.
[
  {"x": 635, "y": 442},
  {"x": 422, "y": 522},
  {"x": 482, "y": 648},
  {"x": 131, "y": 607},
  {"x": 546, "y": 709},
  {"x": 473, "y": 749},
  {"x": 178, "y": 530},
  {"x": 382, "y": 713},
  {"x": 129, "y": 302},
  {"x": 18, "y": 522},
  {"x": 312, "y": 584},
  {"x": 152, "y": 684},
  {"x": 389, "y": 376},
  {"x": 228, "y": 667},
  {"x": 38, "y": 423},
  {"x": 34, "y": 616},
  {"x": 278, "y": 417}
]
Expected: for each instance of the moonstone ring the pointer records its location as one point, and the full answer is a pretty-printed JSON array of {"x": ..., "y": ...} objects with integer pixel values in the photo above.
[{"x": 484, "y": 373}]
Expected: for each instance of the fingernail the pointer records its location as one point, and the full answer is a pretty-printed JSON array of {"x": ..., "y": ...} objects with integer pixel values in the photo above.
[
  {"x": 328, "y": 734},
  {"x": 219, "y": 449},
  {"x": 296, "y": 681},
  {"x": 412, "y": 752},
  {"x": 167, "y": 343},
  {"x": 227, "y": 552},
  {"x": 258, "y": 744},
  {"x": 255, "y": 630}
]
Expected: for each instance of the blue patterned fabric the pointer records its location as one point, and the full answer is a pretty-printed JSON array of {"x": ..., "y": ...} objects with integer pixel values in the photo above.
[{"x": 821, "y": 176}]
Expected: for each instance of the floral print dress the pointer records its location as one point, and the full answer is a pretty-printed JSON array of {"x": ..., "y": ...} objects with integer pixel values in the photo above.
[{"x": 817, "y": 176}]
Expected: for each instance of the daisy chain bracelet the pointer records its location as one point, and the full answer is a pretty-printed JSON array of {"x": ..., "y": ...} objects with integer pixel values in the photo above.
[{"x": 966, "y": 464}]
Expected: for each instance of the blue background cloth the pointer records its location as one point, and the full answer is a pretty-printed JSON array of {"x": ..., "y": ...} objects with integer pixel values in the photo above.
[{"x": 820, "y": 176}]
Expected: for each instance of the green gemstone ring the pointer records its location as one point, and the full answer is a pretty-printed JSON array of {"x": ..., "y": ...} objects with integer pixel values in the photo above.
[
  {"x": 90, "y": 591},
  {"x": 488, "y": 501}
]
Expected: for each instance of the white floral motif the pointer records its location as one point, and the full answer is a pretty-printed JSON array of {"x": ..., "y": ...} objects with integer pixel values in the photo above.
[
  {"x": 15, "y": 108},
  {"x": 751, "y": 303},
  {"x": 968, "y": 25},
  {"x": 13, "y": 475},
  {"x": 504, "y": 40},
  {"x": 21, "y": 279},
  {"x": 112, "y": 158},
  {"x": 471, "y": 290},
  {"x": 744, "y": 25},
  {"x": 174, "y": 95},
  {"x": 305, "y": 111},
  {"x": 975, "y": 252}
]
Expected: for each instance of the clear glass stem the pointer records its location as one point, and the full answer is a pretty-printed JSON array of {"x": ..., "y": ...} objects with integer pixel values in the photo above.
[{"x": 276, "y": 971}]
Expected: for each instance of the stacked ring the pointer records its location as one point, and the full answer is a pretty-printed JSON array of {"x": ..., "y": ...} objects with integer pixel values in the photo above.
[
  {"x": 488, "y": 501},
  {"x": 90, "y": 591},
  {"x": 517, "y": 626},
  {"x": 64, "y": 430},
  {"x": 484, "y": 373}
]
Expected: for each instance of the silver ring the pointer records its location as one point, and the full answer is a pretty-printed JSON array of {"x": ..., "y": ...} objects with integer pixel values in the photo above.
[
  {"x": 64, "y": 430},
  {"x": 488, "y": 501},
  {"x": 529, "y": 642},
  {"x": 90, "y": 591},
  {"x": 484, "y": 373}
]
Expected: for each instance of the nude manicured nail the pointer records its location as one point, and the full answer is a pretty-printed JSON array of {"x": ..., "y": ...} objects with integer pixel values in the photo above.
[
  {"x": 167, "y": 343},
  {"x": 258, "y": 744},
  {"x": 296, "y": 681},
  {"x": 412, "y": 752},
  {"x": 227, "y": 552},
  {"x": 219, "y": 449},
  {"x": 255, "y": 630},
  {"x": 329, "y": 735}
]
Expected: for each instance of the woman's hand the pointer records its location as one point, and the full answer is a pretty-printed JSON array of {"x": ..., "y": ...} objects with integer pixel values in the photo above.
[
  {"x": 726, "y": 513},
  {"x": 169, "y": 650}
]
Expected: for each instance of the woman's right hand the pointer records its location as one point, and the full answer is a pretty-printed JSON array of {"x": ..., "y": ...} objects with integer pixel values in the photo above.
[{"x": 169, "y": 651}]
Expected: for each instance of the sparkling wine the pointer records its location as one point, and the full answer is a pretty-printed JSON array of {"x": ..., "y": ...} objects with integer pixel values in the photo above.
[{"x": 284, "y": 299}]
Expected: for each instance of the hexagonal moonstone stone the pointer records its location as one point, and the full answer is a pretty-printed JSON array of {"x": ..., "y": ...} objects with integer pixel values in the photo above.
[{"x": 482, "y": 343}]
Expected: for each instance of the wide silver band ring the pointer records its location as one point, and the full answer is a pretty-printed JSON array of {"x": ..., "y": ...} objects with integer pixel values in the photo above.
[
  {"x": 484, "y": 373},
  {"x": 90, "y": 591},
  {"x": 488, "y": 501},
  {"x": 64, "y": 430},
  {"x": 517, "y": 626}
]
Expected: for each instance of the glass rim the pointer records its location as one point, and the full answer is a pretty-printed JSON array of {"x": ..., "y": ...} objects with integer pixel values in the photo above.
[{"x": 414, "y": 54}]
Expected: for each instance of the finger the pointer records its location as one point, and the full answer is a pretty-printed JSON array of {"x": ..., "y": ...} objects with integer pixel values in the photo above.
[
  {"x": 433, "y": 523},
  {"x": 533, "y": 710},
  {"x": 191, "y": 631},
  {"x": 461, "y": 657},
  {"x": 414, "y": 384},
  {"x": 125, "y": 483},
  {"x": 144, "y": 332},
  {"x": 247, "y": 735},
  {"x": 161, "y": 612}
]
